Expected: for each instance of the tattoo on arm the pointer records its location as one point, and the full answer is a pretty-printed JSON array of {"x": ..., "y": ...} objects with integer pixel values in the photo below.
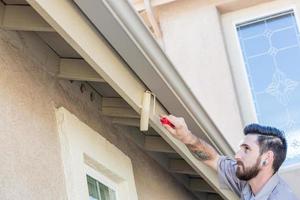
[
  {"x": 200, "y": 155},
  {"x": 201, "y": 150},
  {"x": 204, "y": 152}
]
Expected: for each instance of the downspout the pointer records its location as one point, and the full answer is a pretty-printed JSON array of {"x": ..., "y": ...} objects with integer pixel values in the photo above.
[{"x": 153, "y": 21}]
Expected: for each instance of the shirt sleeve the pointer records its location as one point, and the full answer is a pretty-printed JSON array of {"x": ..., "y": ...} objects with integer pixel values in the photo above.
[{"x": 227, "y": 175}]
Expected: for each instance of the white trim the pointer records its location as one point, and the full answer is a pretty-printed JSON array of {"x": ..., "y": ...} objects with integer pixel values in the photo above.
[
  {"x": 230, "y": 21},
  {"x": 253, "y": 15},
  {"x": 86, "y": 151}
]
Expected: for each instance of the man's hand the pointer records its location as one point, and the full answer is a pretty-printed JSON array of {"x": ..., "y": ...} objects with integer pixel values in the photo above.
[
  {"x": 180, "y": 130},
  {"x": 198, "y": 147}
]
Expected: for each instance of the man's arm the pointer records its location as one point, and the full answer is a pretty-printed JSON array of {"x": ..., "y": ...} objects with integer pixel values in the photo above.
[
  {"x": 199, "y": 148},
  {"x": 204, "y": 152}
]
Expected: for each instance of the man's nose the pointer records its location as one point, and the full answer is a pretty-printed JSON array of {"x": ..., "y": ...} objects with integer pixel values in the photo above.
[{"x": 237, "y": 155}]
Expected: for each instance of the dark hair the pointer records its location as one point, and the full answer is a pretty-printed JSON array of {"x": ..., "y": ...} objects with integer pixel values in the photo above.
[{"x": 269, "y": 138}]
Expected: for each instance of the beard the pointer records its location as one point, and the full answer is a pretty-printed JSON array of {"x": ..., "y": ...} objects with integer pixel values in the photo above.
[{"x": 247, "y": 173}]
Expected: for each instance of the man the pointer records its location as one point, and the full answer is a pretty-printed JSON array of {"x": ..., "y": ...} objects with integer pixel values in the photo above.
[{"x": 253, "y": 175}]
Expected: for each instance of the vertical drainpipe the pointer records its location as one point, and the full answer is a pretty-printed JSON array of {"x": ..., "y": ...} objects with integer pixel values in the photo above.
[{"x": 153, "y": 21}]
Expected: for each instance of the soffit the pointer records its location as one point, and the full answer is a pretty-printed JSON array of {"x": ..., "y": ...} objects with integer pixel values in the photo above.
[{"x": 58, "y": 44}]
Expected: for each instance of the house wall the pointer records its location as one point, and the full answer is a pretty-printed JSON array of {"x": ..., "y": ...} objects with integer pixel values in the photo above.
[
  {"x": 193, "y": 39},
  {"x": 30, "y": 155}
]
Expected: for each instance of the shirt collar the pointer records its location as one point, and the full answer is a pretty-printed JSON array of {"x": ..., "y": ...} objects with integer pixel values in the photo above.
[{"x": 265, "y": 191}]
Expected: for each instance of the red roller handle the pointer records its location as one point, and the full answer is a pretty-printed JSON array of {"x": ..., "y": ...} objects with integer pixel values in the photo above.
[{"x": 164, "y": 120}]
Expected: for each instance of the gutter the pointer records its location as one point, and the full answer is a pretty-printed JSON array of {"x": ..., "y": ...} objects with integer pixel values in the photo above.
[
  {"x": 65, "y": 17},
  {"x": 128, "y": 35}
]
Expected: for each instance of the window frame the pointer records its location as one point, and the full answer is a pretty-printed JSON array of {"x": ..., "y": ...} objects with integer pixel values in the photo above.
[
  {"x": 84, "y": 151},
  {"x": 98, "y": 176},
  {"x": 236, "y": 59}
]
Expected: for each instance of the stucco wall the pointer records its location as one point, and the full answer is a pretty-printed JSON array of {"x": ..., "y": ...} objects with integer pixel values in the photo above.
[
  {"x": 193, "y": 40},
  {"x": 31, "y": 166}
]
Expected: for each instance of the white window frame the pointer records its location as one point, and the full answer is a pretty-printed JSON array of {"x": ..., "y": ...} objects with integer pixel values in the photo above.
[
  {"x": 84, "y": 151},
  {"x": 102, "y": 179},
  {"x": 238, "y": 67}
]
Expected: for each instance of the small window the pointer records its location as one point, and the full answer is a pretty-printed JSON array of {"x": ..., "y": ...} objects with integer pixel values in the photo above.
[
  {"x": 271, "y": 52},
  {"x": 100, "y": 186},
  {"x": 99, "y": 191}
]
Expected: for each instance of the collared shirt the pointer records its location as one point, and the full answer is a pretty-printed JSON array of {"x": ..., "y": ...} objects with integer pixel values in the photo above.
[{"x": 275, "y": 189}]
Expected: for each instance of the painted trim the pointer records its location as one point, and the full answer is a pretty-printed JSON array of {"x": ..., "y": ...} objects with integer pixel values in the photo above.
[{"x": 81, "y": 147}]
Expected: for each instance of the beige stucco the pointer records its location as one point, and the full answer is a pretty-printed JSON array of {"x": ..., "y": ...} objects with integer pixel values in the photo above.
[
  {"x": 31, "y": 165},
  {"x": 193, "y": 40}
]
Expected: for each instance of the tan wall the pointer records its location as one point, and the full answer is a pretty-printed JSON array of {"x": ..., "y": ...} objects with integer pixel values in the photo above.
[
  {"x": 193, "y": 41},
  {"x": 31, "y": 166}
]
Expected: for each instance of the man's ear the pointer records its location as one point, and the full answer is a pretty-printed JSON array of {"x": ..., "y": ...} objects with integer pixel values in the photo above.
[
  {"x": 268, "y": 158},
  {"x": 270, "y": 155}
]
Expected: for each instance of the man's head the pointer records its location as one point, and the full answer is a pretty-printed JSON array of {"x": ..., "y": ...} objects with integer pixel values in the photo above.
[{"x": 263, "y": 147}]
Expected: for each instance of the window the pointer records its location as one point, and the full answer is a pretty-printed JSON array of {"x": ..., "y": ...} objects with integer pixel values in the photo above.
[
  {"x": 100, "y": 187},
  {"x": 271, "y": 52},
  {"x": 99, "y": 191},
  {"x": 263, "y": 43}
]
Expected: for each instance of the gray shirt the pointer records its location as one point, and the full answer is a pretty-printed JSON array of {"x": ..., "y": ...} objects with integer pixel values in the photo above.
[{"x": 275, "y": 189}]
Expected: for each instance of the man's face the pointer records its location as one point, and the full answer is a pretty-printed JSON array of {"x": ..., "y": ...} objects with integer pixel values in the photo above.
[{"x": 248, "y": 158}]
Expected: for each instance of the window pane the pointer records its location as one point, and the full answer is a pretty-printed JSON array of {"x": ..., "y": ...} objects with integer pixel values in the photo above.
[
  {"x": 271, "y": 51},
  {"x": 92, "y": 186},
  {"x": 99, "y": 191}
]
